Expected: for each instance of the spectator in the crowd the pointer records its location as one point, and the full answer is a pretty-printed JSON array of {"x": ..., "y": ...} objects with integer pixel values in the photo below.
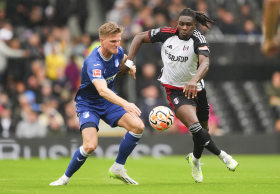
[
  {"x": 73, "y": 73},
  {"x": 213, "y": 123},
  {"x": 81, "y": 48},
  {"x": 17, "y": 12},
  {"x": 249, "y": 28},
  {"x": 7, "y": 122},
  {"x": 56, "y": 126},
  {"x": 51, "y": 44},
  {"x": 71, "y": 119},
  {"x": 6, "y": 34},
  {"x": 148, "y": 77},
  {"x": 17, "y": 68},
  {"x": 54, "y": 61},
  {"x": 30, "y": 127},
  {"x": 62, "y": 12},
  {"x": 272, "y": 91},
  {"x": 228, "y": 25},
  {"x": 82, "y": 13},
  {"x": 49, "y": 110},
  {"x": 34, "y": 47},
  {"x": 174, "y": 8},
  {"x": 213, "y": 33}
]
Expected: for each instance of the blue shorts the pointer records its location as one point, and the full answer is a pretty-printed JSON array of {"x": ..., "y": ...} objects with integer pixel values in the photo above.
[{"x": 110, "y": 114}]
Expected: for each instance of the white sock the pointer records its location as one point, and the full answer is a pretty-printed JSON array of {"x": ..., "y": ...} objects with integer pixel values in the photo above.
[
  {"x": 66, "y": 178},
  {"x": 222, "y": 154},
  {"x": 195, "y": 160},
  {"x": 118, "y": 167}
]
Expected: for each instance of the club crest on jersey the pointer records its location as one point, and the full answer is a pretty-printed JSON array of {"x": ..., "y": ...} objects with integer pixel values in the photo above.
[
  {"x": 176, "y": 100},
  {"x": 185, "y": 48},
  {"x": 96, "y": 73},
  {"x": 117, "y": 63},
  {"x": 154, "y": 31}
]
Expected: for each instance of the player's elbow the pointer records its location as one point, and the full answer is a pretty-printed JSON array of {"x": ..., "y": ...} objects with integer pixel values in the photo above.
[{"x": 102, "y": 92}]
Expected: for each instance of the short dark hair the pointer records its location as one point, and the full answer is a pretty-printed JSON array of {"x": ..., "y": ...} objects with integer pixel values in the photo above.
[{"x": 200, "y": 17}]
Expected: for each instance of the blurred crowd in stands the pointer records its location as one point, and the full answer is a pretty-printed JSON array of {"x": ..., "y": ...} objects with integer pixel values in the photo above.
[{"x": 40, "y": 59}]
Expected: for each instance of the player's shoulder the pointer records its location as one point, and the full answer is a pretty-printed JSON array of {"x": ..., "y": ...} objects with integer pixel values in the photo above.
[
  {"x": 94, "y": 57},
  {"x": 162, "y": 34},
  {"x": 197, "y": 36},
  {"x": 170, "y": 30}
]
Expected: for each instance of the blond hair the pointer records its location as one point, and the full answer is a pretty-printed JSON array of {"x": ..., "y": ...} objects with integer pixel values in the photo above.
[{"x": 109, "y": 28}]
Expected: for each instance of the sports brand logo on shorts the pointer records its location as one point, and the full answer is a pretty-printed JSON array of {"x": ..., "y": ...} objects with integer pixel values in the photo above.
[
  {"x": 86, "y": 115},
  {"x": 176, "y": 100},
  {"x": 117, "y": 63},
  {"x": 154, "y": 31},
  {"x": 96, "y": 73}
]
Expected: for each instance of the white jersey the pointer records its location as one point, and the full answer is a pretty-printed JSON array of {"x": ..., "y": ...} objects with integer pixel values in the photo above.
[{"x": 180, "y": 57}]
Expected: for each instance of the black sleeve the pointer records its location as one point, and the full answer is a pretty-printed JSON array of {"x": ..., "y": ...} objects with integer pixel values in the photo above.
[
  {"x": 161, "y": 34},
  {"x": 201, "y": 47}
]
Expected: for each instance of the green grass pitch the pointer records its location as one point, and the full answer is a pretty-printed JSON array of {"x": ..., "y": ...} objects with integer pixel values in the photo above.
[{"x": 172, "y": 175}]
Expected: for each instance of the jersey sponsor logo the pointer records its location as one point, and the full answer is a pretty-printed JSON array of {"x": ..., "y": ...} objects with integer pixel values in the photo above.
[
  {"x": 169, "y": 46},
  {"x": 154, "y": 31},
  {"x": 117, "y": 63},
  {"x": 110, "y": 79},
  {"x": 96, "y": 64},
  {"x": 86, "y": 115},
  {"x": 176, "y": 58},
  {"x": 185, "y": 48},
  {"x": 96, "y": 73},
  {"x": 176, "y": 100}
]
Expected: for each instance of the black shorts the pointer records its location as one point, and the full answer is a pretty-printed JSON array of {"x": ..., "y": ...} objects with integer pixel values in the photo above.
[{"x": 177, "y": 98}]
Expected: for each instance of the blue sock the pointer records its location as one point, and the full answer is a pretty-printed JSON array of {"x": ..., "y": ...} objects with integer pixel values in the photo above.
[
  {"x": 77, "y": 161},
  {"x": 127, "y": 145}
]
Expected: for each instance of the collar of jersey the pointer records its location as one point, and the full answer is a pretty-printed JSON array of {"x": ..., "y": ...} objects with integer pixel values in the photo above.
[{"x": 104, "y": 58}]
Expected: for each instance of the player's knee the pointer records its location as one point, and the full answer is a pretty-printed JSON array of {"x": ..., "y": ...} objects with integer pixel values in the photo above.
[
  {"x": 137, "y": 127},
  {"x": 89, "y": 148}
]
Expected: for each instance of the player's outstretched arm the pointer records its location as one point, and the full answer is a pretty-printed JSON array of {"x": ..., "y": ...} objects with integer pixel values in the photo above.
[
  {"x": 270, "y": 45},
  {"x": 190, "y": 89},
  {"x": 109, "y": 95},
  {"x": 137, "y": 41}
]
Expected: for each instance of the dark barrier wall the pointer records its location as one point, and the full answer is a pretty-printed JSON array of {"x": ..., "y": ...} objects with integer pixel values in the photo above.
[{"x": 149, "y": 146}]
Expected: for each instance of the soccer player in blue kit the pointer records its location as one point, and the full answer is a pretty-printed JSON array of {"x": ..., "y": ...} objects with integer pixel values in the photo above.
[{"x": 96, "y": 99}]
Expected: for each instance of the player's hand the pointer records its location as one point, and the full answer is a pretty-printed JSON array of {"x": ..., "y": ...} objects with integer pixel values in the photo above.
[
  {"x": 270, "y": 48},
  {"x": 132, "y": 109},
  {"x": 132, "y": 71},
  {"x": 190, "y": 89}
]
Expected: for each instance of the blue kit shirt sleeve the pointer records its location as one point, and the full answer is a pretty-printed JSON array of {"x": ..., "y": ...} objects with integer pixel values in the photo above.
[{"x": 95, "y": 71}]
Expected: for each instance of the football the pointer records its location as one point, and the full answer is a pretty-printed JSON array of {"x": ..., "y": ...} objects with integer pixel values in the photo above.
[{"x": 161, "y": 118}]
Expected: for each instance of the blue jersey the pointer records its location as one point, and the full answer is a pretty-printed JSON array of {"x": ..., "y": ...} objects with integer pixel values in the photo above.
[{"x": 97, "y": 67}]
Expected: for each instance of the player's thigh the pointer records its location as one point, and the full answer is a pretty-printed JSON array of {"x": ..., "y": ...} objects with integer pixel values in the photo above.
[
  {"x": 133, "y": 124},
  {"x": 187, "y": 114},
  {"x": 202, "y": 107},
  {"x": 90, "y": 139}
]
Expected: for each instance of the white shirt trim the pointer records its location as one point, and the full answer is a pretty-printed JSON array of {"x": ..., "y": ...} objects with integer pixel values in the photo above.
[{"x": 104, "y": 58}]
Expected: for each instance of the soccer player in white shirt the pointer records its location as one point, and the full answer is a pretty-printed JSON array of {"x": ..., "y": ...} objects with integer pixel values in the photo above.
[{"x": 185, "y": 55}]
